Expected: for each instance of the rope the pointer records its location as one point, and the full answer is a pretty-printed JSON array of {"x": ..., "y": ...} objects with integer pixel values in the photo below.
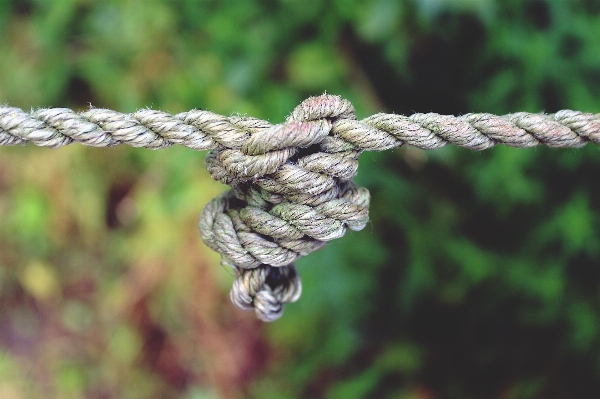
[
  {"x": 292, "y": 188},
  {"x": 204, "y": 130}
]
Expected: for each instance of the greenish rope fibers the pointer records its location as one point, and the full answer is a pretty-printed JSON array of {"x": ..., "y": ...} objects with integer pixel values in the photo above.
[{"x": 292, "y": 187}]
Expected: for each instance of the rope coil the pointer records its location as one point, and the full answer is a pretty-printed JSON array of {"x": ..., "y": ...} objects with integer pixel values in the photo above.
[
  {"x": 292, "y": 188},
  {"x": 291, "y": 193}
]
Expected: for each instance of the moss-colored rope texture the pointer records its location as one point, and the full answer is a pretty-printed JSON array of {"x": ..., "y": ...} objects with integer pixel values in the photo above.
[{"x": 292, "y": 188}]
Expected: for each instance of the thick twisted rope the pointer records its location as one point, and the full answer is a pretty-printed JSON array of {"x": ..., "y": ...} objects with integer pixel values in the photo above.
[{"x": 292, "y": 187}]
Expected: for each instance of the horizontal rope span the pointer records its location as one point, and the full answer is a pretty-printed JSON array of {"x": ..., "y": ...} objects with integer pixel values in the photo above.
[
  {"x": 205, "y": 130},
  {"x": 292, "y": 188}
]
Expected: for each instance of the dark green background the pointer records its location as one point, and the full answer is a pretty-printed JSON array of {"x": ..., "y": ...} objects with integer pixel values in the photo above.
[{"x": 478, "y": 276}]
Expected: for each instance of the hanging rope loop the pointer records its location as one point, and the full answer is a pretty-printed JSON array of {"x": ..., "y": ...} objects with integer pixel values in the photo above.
[{"x": 290, "y": 195}]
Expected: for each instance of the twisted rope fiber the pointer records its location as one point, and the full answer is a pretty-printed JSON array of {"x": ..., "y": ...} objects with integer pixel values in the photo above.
[{"x": 292, "y": 188}]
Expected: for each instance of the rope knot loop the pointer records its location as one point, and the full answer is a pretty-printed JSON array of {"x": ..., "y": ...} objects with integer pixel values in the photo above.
[{"x": 292, "y": 191}]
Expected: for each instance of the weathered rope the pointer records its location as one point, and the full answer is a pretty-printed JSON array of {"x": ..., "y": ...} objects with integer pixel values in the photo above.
[{"x": 292, "y": 187}]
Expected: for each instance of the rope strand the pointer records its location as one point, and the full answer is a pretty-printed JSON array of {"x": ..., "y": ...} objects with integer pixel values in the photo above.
[
  {"x": 292, "y": 188},
  {"x": 205, "y": 130}
]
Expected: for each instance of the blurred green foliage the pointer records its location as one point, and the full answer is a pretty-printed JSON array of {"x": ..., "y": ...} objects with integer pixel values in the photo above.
[{"x": 477, "y": 278}]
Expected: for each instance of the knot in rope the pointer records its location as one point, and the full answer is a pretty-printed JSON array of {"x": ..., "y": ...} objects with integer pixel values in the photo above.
[{"x": 292, "y": 191}]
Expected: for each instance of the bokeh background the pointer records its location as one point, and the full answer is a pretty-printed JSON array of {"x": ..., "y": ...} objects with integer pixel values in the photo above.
[{"x": 477, "y": 278}]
